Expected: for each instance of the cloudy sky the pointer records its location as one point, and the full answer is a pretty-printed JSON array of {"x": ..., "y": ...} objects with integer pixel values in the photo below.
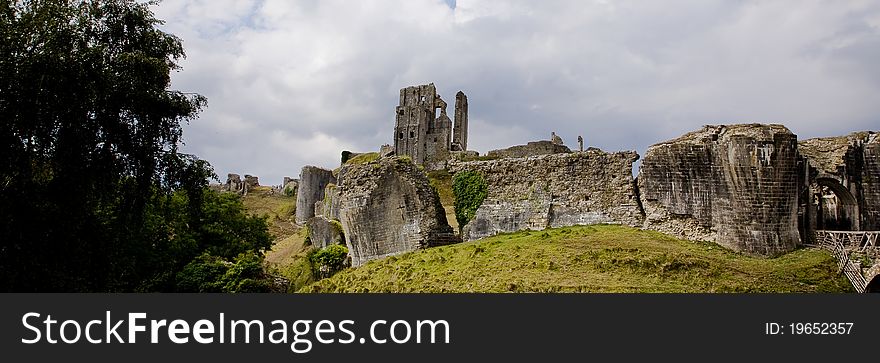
[{"x": 292, "y": 83}]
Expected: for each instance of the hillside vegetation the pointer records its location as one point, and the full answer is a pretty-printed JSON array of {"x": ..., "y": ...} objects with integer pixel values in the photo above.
[
  {"x": 601, "y": 258},
  {"x": 288, "y": 255}
]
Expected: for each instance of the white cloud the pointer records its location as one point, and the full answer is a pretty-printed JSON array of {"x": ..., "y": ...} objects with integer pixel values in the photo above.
[{"x": 292, "y": 83}]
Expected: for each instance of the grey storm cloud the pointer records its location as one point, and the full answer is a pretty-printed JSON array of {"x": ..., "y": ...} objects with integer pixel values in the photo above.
[{"x": 293, "y": 83}]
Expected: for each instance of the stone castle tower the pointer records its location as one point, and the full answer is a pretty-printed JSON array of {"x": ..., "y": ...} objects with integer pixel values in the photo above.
[{"x": 424, "y": 134}]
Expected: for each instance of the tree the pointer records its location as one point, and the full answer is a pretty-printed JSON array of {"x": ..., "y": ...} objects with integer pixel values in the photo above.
[{"x": 91, "y": 180}]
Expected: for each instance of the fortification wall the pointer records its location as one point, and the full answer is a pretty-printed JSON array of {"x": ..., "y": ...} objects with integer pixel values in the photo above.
[
  {"x": 736, "y": 185},
  {"x": 554, "y": 191},
  {"x": 387, "y": 207}
]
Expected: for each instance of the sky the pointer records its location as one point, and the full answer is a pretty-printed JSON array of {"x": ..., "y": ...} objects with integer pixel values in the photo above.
[{"x": 293, "y": 83}]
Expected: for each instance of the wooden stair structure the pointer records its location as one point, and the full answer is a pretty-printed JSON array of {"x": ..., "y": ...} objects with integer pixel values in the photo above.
[{"x": 841, "y": 244}]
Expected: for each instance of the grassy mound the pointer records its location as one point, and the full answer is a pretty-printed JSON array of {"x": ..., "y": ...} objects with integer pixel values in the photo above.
[
  {"x": 363, "y": 158},
  {"x": 589, "y": 259}
]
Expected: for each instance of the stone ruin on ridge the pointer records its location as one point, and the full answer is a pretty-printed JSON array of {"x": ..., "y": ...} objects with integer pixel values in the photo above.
[
  {"x": 423, "y": 131},
  {"x": 752, "y": 188}
]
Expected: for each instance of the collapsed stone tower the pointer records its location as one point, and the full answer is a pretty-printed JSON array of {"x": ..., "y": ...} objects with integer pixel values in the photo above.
[
  {"x": 735, "y": 185},
  {"x": 421, "y": 132}
]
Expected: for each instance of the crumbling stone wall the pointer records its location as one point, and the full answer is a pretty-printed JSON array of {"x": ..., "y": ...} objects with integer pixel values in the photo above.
[
  {"x": 387, "y": 207},
  {"x": 871, "y": 185},
  {"x": 289, "y": 185},
  {"x": 533, "y": 148},
  {"x": 233, "y": 183},
  {"x": 312, "y": 181},
  {"x": 250, "y": 182},
  {"x": 735, "y": 185},
  {"x": 554, "y": 191},
  {"x": 844, "y": 181}
]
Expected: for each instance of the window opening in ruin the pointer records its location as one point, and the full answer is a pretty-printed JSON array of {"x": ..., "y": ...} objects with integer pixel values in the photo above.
[
  {"x": 401, "y": 135},
  {"x": 412, "y": 134}
]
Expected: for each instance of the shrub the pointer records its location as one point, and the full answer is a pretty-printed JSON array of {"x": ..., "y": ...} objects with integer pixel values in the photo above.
[
  {"x": 469, "y": 189},
  {"x": 328, "y": 260},
  {"x": 208, "y": 273}
]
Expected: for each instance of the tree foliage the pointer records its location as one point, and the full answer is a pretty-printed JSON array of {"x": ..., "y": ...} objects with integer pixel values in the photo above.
[
  {"x": 469, "y": 189},
  {"x": 95, "y": 195}
]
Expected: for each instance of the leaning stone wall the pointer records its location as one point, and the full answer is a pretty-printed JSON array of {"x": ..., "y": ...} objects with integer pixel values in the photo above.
[
  {"x": 324, "y": 232},
  {"x": 554, "y": 191},
  {"x": 312, "y": 181},
  {"x": 736, "y": 185},
  {"x": 388, "y": 207}
]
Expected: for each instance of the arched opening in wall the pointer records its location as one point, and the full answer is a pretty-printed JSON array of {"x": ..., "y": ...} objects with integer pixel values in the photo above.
[{"x": 836, "y": 208}]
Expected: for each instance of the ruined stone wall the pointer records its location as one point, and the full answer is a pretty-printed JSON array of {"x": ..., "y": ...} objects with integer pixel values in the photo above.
[
  {"x": 312, "y": 181},
  {"x": 534, "y": 148},
  {"x": 736, "y": 185},
  {"x": 250, "y": 182},
  {"x": 871, "y": 186},
  {"x": 289, "y": 185},
  {"x": 848, "y": 167},
  {"x": 233, "y": 183},
  {"x": 554, "y": 191},
  {"x": 387, "y": 207}
]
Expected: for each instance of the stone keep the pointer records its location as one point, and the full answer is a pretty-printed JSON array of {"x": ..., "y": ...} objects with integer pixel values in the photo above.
[
  {"x": 735, "y": 185},
  {"x": 554, "y": 191},
  {"x": 387, "y": 207},
  {"x": 423, "y": 134},
  {"x": 312, "y": 181}
]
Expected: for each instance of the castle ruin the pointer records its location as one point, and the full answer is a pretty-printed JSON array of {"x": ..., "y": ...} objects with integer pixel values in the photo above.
[
  {"x": 753, "y": 188},
  {"x": 423, "y": 131}
]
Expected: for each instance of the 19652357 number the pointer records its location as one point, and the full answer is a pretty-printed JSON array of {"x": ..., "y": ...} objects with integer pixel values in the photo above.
[
  {"x": 809, "y": 328},
  {"x": 820, "y": 328}
]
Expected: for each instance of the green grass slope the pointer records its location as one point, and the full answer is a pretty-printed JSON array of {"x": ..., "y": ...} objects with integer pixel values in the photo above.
[{"x": 589, "y": 259}]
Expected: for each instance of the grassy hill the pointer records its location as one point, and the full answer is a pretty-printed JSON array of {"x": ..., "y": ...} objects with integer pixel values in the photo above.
[{"x": 589, "y": 259}]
